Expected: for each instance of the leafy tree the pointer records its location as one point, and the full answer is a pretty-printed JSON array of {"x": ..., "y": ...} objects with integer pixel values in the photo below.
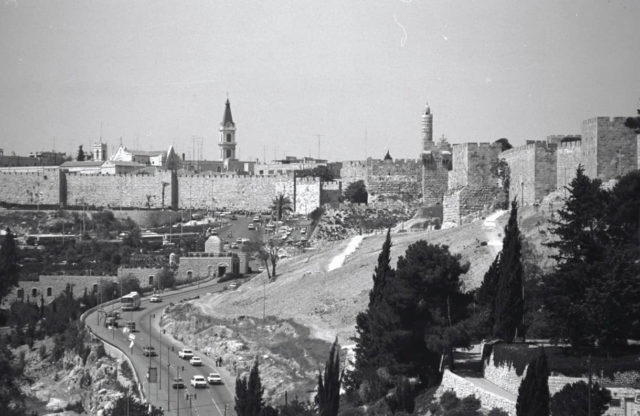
[
  {"x": 573, "y": 400},
  {"x": 249, "y": 392},
  {"x": 374, "y": 323},
  {"x": 403, "y": 398},
  {"x": 451, "y": 405},
  {"x": 509, "y": 305},
  {"x": 323, "y": 172},
  {"x": 504, "y": 144},
  {"x": 81, "y": 156},
  {"x": 633, "y": 123},
  {"x": 11, "y": 397},
  {"x": 431, "y": 307},
  {"x": 328, "y": 397},
  {"x": 166, "y": 278},
  {"x": 129, "y": 283},
  {"x": 9, "y": 269},
  {"x": 533, "y": 394},
  {"x": 128, "y": 405},
  {"x": 280, "y": 205},
  {"x": 356, "y": 192},
  {"x": 597, "y": 252}
]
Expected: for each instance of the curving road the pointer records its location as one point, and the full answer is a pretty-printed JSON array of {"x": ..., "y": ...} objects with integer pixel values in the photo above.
[{"x": 213, "y": 400}]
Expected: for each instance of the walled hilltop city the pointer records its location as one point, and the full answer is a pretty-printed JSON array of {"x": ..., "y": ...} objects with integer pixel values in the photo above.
[{"x": 461, "y": 179}]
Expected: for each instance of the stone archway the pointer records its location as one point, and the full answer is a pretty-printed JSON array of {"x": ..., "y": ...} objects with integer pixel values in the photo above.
[{"x": 222, "y": 269}]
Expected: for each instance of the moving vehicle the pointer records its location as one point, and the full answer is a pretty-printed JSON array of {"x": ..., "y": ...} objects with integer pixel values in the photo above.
[
  {"x": 198, "y": 381},
  {"x": 130, "y": 302},
  {"x": 155, "y": 299},
  {"x": 148, "y": 351},
  {"x": 178, "y": 383},
  {"x": 251, "y": 226},
  {"x": 256, "y": 219},
  {"x": 131, "y": 326},
  {"x": 195, "y": 361},
  {"x": 185, "y": 354},
  {"x": 214, "y": 378},
  {"x": 111, "y": 321}
]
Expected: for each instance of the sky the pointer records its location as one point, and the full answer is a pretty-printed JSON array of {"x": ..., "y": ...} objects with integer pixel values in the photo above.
[{"x": 351, "y": 75}]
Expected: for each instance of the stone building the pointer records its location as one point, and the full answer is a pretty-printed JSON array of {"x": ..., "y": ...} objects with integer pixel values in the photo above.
[
  {"x": 436, "y": 163},
  {"x": 213, "y": 262}
]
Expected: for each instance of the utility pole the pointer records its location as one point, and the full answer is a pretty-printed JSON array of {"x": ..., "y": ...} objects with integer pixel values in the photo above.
[
  {"x": 589, "y": 391},
  {"x": 168, "y": 377}
]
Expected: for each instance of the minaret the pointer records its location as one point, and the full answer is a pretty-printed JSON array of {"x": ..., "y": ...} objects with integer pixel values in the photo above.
[
  {"x": 227, "y": 141},
  {"x": 427, "y": 129}
]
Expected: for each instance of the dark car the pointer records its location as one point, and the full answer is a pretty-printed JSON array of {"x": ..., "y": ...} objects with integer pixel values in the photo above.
[
  {"x": 178, "y": 383},
  {"x": 148, "y": 351}
]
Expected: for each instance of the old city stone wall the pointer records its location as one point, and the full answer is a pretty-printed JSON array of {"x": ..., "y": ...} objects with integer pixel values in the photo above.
[
  {"x": 330, "y": 192},
  {"x": 253, "y": 193},
  {"x": 472, "y": 165},
  {"x": 568, "y": 158},
  {"x": 42, "y": 187},
  {"x": 398, "y": 179},
  {"x": 610, "y": 149},
  {"x": 135, "y": 191},
  {"x": 308, "y": 194},
  {"x": 147, "y": 276},
  {"x": 463, "y": 202},
  {"x": 533, "y": 171}
]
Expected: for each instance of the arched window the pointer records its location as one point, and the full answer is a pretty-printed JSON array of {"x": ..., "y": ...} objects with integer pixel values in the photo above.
[
  {"x": 228, "y": 152},
  {"x": 49, "y": 291},
  {"x": 34, "y": 292},
  {"x": 229, "y": 137},
  {"x": 150, "y": 280},
  {"x": 189, "y": 274}
]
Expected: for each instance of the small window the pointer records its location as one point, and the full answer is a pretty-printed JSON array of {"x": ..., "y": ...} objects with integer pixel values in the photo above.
[
  {"x": 151, "y": 280},
  {"x": 34, "y": 292},
  {"x": 228, "y": 152},
  {"x": 229, "y": 137},
  {"x": 189, "y": 275},
  {"x": 94, "y": 289},
  {"x": 20, "y": 293},
  {"x": 49, "y": 291}
]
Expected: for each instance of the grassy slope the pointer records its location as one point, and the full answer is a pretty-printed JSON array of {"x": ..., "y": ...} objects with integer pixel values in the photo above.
[{"x": 327, "y": 302}]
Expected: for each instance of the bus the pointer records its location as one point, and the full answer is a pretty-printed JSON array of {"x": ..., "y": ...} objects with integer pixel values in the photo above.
[{"x": 130, "y": 302}]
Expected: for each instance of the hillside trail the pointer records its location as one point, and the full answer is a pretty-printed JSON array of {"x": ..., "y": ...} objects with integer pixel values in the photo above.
[
  {"x": 493, "y": 231},
  {"x": 338, "y": 260}
]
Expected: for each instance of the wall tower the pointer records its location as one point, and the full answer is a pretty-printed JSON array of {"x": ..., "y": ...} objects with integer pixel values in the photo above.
[
  {"x": 227, "y": 143},
  {"x": 427, "y": 129}
]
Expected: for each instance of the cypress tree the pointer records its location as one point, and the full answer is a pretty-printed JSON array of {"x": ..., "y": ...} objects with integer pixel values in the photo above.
[
  {"x": 509, "y": 304},
  {"x": 248, "y": 400},
  {"x": 533, "y": 394},
  {"x": 328, "y": 397},
  {"x": 9, "y": 269},
  {"x": 487, "y": 291},
  {"x": 371, "y": 321}
]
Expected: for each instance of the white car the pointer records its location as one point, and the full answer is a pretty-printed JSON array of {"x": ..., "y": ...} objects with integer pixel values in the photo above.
[
  {"x": 155, "y": 299},
  {"x": 185, "y": 353},
  {"x": 195, "y": 361},
  {"x": 198, "y": 381},
  {"x": 214, "y": 378}
]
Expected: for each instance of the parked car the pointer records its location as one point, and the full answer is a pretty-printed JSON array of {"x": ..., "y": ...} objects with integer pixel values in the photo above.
[
  {"x": 131, "y": 326},
  {"x": 178, "y": 383},
  {"x": 198, "y": 381},
  {"x": 251, "y": 226},
  {"x": 155, "y": 299},
  {"x": 148, "y": 351},
  {"x": 185, "y": 354},
  {"x": 195, "y": 361},
  {"x": 214, "y": 378},
  {"x": 111, "y": 321}
]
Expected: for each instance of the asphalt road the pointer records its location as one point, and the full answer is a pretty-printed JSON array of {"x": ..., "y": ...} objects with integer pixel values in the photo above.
[{"x": 213, "y": 400}]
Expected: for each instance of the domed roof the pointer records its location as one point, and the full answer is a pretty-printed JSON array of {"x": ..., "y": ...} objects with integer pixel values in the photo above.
[{"x": 213, "y": 245}]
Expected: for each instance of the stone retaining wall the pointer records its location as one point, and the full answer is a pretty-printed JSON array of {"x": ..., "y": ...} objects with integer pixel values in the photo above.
[{"x": 463, "y": 388}]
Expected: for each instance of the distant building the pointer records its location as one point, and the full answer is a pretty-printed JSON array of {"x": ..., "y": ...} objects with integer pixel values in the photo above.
[
  {"x": 289, "y": 164},
  {"x": 213, "y": 262},
  {"x": 99, "y": 151},
  {"x": 85, "y": 167},
  {"x": 34, "y": 159},
  {"x": 145, "y": 157},
  {"x": 117, "y": 167}
]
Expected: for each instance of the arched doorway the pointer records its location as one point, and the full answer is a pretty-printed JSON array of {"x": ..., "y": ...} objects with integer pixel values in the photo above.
[{"x": 222, "y": 269}]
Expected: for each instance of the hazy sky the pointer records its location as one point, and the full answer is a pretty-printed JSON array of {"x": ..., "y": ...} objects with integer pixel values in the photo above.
[{"x": 157, "y": 72}]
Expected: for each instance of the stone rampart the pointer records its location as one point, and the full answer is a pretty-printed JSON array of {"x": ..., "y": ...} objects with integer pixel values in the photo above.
[
  {"x": 462, "y": 202},
  {"x": 472, "y": 165},
  {"x": 569, "y": 157},
  {"x": 30, "y": 188},
  {"x": 147, "y": 276},
  {"x": 609, "y": 147},
  {"x": 131, "y": 190},
  {"x": 463, "y": 388},
  {"x": 532, "y": 170}
]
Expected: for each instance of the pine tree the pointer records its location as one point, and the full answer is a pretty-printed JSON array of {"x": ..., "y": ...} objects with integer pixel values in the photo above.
[
  {"x": 509, "y": 304},
  {"x": 370, "y": 324},
  {"x": 487, "y": 292},
  {"x": 249, "y": 391},
  {"x": 328, "y": 397},
  {"x": 81, "y": 156},
  {"x": 533, "y": 394},
  {"x": 9, "y": 269},
  {"x": 573, "y": 400}
]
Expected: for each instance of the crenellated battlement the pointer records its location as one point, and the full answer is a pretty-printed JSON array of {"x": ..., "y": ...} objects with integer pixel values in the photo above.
[
  {"x": 531, "y": 145},
  {"x": 570, "y": 145}
]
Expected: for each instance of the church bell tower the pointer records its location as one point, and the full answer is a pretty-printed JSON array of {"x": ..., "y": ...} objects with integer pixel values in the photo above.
[{"x": 227, "y": 143}]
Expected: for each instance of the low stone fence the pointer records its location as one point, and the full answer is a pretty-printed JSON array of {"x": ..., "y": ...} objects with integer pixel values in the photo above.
[{"x": 463, "y": 388}]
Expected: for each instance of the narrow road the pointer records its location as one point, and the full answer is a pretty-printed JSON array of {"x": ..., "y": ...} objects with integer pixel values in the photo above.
[{"x": 213, "y": 400}]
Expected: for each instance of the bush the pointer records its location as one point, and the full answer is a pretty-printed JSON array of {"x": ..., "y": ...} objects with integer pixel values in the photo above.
[{"x": 42, "y": 351}]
